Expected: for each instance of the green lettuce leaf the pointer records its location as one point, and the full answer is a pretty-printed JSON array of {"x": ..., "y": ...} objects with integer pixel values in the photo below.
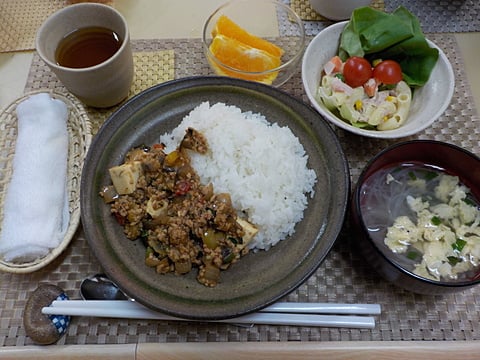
[{"x": 398, "y": 36}]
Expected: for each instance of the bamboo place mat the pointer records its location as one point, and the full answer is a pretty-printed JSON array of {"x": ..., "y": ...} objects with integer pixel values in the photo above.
[
  {"x": 20, "y": 20},
  {"x": 434, "y": 16},
  {"x": 343, "y": 277}
]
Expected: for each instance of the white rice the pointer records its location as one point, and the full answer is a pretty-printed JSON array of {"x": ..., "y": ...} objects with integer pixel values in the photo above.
[{"x": 261, "y": 165}]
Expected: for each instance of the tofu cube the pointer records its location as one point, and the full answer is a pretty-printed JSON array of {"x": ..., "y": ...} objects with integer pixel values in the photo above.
[
  {"x": 125, "y": 177},
  {"x": 249, "y": 231}
]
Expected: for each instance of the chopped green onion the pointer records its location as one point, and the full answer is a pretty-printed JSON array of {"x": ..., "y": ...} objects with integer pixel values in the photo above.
[
  {"x": 340, "y": 76},
  {"x": 412, "y": 175},
  {"x": 412, "y": 255},
  {"x": 436, "y": 220},
  {"x": 469, "y": 201},
  {"x": 459, "y": 245},
  {"x": 149, "y": 251},
  {"x": 430, "y": 175},
  {"x": 453, "y": 260},
  {"x": 228, "y": 257}
]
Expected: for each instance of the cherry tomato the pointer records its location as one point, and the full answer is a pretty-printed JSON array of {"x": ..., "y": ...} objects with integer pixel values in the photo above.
[
  {"x": 388, "y": 72},
  {"x": 357, "y": 71}
]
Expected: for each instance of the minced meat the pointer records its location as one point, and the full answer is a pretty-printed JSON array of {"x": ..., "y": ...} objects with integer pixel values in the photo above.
[{"x": 182, "y": 222}]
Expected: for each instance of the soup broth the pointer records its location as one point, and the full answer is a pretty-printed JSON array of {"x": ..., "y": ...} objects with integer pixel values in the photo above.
[{"x": 415, "y": 213}]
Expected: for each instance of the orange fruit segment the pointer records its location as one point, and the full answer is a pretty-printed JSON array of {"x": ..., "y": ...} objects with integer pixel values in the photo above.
[
  {"x": 235, "y": 48},
  {"x": 237, "y": 55},
  {"x": 225, "y": 26}
]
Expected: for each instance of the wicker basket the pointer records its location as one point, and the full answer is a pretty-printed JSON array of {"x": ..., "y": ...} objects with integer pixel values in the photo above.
[{"x": 80, "y": 137}]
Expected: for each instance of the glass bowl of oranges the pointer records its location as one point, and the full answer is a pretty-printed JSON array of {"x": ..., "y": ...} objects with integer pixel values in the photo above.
[{"x": 255, "y": 40}]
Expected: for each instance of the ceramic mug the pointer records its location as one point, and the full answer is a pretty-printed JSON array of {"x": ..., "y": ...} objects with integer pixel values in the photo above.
[
  {"x": 337, "y": 9},
  {"x": 104, "y": 84}
]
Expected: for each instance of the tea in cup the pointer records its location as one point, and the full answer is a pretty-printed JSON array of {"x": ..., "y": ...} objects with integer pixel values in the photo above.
[{"x": 87, "y": 46}]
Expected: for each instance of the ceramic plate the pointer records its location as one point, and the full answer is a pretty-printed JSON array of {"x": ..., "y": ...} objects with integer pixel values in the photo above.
[{"x": 258, "y": 279}]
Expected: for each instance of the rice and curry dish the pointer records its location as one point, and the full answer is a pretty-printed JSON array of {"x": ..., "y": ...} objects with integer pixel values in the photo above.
[
  {"x": 182, "y": 222},
  {"x": 187, "y": 218}
]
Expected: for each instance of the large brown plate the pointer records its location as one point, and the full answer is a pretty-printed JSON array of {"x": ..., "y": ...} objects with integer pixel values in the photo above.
[{"x": 259, "y": 279}]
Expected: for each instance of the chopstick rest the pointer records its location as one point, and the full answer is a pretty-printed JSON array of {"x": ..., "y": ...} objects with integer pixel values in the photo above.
[{"x": 45, "y": 329}]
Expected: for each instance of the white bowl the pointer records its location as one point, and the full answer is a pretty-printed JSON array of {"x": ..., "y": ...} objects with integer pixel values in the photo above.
[{"x": 428, "y": 102}]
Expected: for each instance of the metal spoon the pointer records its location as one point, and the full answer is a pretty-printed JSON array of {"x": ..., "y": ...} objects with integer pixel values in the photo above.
[{"x": 100, "y": 287}]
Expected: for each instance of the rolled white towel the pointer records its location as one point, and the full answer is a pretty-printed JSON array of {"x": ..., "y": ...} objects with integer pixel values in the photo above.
[{"x": 36, "y": 203}]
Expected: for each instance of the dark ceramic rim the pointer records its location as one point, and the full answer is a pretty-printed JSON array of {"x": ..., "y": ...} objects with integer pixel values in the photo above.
[
  {"x": 317, "y": 241},
  {"x": 356, "y": 203}
]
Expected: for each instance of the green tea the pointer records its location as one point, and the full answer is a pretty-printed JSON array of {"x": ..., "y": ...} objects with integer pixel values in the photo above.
[{"x": 87, "y": 47}]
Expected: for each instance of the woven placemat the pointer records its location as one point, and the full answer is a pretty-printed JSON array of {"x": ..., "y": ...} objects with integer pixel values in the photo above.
[
  {"x": 20, "y": 20},
  {"x": 434, "y": 16},
  {"x": 343, "y": 277},
  {"x": 151, "y": 68},
  {"x": 305, "y": 11},
  {"x": 442, "y": 16}
]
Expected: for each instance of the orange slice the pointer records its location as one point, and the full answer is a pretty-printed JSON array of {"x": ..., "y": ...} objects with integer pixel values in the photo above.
[
  {"x": 236, "y": 48},
  {"x": 240, "y": 56},
  {"x": 225, "y": 26}
]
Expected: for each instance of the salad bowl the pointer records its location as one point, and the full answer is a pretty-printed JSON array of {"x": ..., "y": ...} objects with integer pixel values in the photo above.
[{"x": 428, "y": 101}]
